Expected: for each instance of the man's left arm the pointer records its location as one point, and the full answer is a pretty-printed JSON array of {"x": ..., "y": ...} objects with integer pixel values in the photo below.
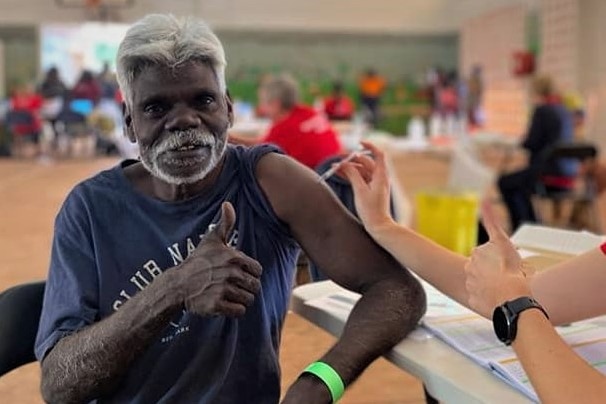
[{"x": 392, "y": 300}]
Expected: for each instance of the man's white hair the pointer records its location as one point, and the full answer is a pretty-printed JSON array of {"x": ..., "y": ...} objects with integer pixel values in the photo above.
[{"x": 165, "y": 40}]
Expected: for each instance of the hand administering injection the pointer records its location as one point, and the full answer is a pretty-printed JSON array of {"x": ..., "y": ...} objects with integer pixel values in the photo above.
[
  {"x": 335, "y": 168},
  {"x": 370, "y": 182}
]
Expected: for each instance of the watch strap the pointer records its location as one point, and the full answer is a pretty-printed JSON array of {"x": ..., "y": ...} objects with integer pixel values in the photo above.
[
  {"x": 517, "y": 306},
  {"x": 507, "y": 328}
]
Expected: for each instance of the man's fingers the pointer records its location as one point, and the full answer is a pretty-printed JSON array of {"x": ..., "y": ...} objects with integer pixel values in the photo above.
[
  {"x": 242, "y": 279},
  {"x": 247, "y": 263},
  {"x": 237, "y": 295},
  {"x": 230, "y": 309},
  {"x": 248, "y": 283}
]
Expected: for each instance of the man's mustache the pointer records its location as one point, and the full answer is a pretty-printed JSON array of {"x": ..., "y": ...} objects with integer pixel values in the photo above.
[{"x": 189, "y": 137}]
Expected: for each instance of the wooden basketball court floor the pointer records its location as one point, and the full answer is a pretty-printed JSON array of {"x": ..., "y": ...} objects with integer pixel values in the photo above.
[{"x": 30, "y": 196}]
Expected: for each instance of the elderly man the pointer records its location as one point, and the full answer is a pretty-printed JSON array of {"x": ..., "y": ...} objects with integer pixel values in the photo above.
[{"x": 151, "y": 297}]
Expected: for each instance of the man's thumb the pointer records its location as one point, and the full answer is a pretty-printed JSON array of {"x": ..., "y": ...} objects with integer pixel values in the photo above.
[{"x": 226, "y": 222}]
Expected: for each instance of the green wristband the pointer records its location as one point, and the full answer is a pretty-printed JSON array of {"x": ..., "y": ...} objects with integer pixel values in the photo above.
[{"x": 330, "y": 377}]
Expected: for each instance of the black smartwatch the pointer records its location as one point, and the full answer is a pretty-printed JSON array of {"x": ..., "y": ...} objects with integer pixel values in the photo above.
[{"x": 505, "y": 317}]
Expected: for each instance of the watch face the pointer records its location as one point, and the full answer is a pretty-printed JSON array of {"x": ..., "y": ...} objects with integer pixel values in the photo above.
[{"x": 501, "y": 324}]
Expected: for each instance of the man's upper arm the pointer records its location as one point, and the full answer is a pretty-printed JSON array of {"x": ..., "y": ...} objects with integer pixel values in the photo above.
[{"x": 332, "y": 237}]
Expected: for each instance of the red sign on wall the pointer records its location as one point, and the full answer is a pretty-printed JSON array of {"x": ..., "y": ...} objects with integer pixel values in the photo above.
[{"x": 523, "y": 63}]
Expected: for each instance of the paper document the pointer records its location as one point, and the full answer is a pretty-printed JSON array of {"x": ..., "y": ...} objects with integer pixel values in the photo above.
[
  {"x": 341, "y": 302},
  {"x": 439, "y": 305},
  {"x": 338, "y": 304},
  {"x": 559, "y": 241},
  {"x": 473, "y": 336}
]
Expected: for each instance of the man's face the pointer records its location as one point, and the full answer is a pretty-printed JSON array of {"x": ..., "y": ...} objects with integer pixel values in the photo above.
[
  {"x": 270, "y": 107},
  {"x": 180, "y": 118}
]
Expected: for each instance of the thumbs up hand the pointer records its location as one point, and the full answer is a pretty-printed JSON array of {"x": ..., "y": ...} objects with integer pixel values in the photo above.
[
  {"x": 495, "y": 272},
  {"x": 221, "y": 231},
  {"x": 216, "y": 279}
]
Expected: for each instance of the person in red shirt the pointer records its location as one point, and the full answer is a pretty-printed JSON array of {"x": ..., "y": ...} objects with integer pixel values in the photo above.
[
  {"x": 24, "y": 98},
  {"x": 338, "y": 106},
  {"x": 297, "y": 129},
  {"x": 24, "y": 121}
]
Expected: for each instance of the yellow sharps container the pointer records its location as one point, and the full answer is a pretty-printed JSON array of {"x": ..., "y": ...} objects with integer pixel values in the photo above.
[{"x": 449, "y": 218}]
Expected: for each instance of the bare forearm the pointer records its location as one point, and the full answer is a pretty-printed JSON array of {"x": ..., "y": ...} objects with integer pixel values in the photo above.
[
  {"x": 581, "y": 279},
  {"x": 432, "y": 262},
  {"x": 385, "y": 314},
  {"x": 91, "y": 362},
  {"x": 556, "y": 372}
]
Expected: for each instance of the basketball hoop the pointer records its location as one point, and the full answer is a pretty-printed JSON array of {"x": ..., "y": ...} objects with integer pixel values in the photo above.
[
  {"x": 112, "y": 4},
  {"x": 103, "y": 10}
]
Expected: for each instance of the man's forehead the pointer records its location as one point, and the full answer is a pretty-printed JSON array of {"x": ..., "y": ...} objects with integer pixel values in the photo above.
[
  {"x": 155, "y": 78},
  {"x": 190, "y": 68}
]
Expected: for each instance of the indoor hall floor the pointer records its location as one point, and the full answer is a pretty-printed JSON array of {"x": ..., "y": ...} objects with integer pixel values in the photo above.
[{"x": 30, "y": 196}]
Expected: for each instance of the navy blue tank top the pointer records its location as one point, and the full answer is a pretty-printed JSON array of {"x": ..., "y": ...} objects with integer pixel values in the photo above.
[{"x": 111, "y": 242}]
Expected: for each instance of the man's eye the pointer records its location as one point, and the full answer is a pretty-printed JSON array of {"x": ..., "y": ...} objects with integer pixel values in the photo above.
[
  {"x": 153, "y": 109},
  {"x": 206, "y": 100}
]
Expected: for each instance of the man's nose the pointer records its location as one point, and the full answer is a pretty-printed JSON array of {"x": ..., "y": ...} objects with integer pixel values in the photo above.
[{"x": 183, "y": 117}]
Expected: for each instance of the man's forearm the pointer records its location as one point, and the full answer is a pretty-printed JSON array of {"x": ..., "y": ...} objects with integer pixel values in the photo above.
[
  {"x": 385, "y": 314},
  {"x": 92, "y": 362}
]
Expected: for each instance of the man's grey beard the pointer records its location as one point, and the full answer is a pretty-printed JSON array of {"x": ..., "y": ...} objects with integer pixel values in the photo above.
[{"x": 150, "y": 156}]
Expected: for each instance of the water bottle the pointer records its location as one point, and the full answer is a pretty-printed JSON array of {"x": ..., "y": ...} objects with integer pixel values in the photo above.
[
  {"x": 450, "y": 124},
  {"x": 416, "y": 130},
  {"x": 435, "y": 125}
]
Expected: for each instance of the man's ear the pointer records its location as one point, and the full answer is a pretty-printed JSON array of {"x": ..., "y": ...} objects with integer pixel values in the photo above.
[
  {"x": 230, "y": 108},
  {"x": 128, "y": 123}
]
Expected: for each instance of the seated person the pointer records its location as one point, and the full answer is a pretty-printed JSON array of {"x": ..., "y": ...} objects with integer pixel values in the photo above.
[
  {"x": 23, "y": 120},
  {"x": 549, "y": 125},
  {"x": 300, "y": 131},
  {"x": 338, "y": 106},
  {"x": 170, "y": 277},
  {"x": 87, "y": 88}
]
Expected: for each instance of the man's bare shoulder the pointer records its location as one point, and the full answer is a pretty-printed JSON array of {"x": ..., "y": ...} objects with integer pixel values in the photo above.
[
  {"x": 276, "y": 166},
  {"x": 290, "y": 185}
]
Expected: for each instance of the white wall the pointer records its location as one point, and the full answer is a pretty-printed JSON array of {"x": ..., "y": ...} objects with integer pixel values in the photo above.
[
  {"x": 490, "y": 41},
  {"x": 418, "y": 16},
  {"x": 574, "y": 53},
  {"x": 560, "y": 29},
  {"x": 592, "y": 67}
]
